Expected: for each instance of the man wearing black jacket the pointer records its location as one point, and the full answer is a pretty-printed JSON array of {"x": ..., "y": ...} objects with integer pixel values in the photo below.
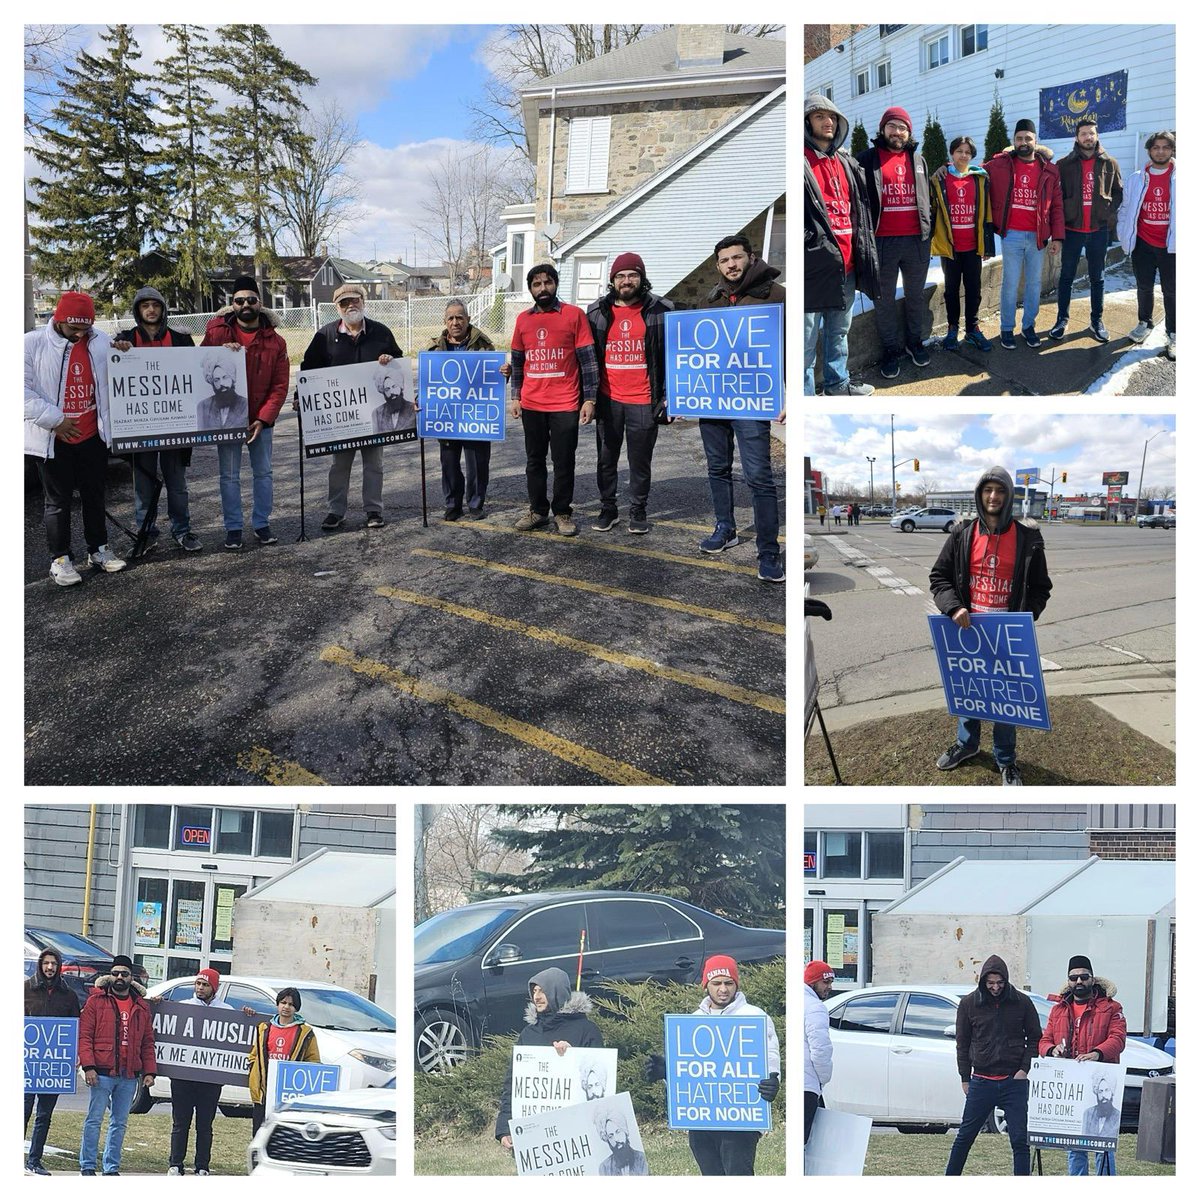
[
  {"x": 996, "y": 1035},
  {"x": 627, "y": 326},
  {"x": 991, "y": 563},
  {"x": 46, "y": 995}
]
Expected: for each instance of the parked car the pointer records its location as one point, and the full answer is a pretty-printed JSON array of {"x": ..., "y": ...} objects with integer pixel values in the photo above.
[
  {"x": 472, "y": 964},
  {"x": 1161, "y": 521},
  {"x": 352, "y": 1033},
  {"x": 83, "y": 960},
  {"x": 344, "y": 1133},
  {"x": 811, "y": 554},
  {"x": 877, "y": 510},
  {"x": 925, "y": 518},
  {"x": 895, "y": 1061}
]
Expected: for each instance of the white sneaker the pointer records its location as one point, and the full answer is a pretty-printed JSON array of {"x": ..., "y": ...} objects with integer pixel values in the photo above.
[
  {"x": 1140, "y": 332},
  {"x": 62, "y": 571},
  {"x": 1171, "y": 346},
  {"x": 106, "y": 560}
]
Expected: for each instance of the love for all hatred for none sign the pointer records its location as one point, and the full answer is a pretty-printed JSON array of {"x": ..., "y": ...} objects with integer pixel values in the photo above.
[
  {"x": 599, "y": 1137},
  {"x": 287, "y": 1081},
  {"x": 713, "y": 1068},
  {"x": 1074, "y": 1105},
  {"x": 725, "y": 362},
  {"x": 544, "y": 1080},
  {"x": 164, "y": 397},
  {"x": 992, "y": 671},
  {"x": 210, "y": 1045},
  {"x": 461, "y": 394},
  {"x": 51, "y": 1054},
  {"x": 362, "y": 404}
]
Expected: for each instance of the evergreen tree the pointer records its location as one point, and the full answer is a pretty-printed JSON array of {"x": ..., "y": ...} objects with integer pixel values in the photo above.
[
  {"x": 858, "y": 138},
  {"x": 933, "y": 144},
  {"x": 264, "y": 85},
  {"x": 996, "y": 138},
  {"x": 728, "y": 858},
  {"x": 100, "y": 197}
]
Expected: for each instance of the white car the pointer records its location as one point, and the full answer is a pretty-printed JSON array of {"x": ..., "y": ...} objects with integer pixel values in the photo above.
[
  {"x": 894, "y": 1057},
  {"x": 352, "y": 1033},
  {"x": 811, "y": 554},
  {"x": 925, "y": 518},
  {"x": 333, "y": 1133}
]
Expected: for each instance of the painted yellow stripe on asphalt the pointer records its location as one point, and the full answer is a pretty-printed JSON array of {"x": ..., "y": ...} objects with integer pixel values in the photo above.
[
  {"x": 697, "y": 528},
  {"x": 716, "y": 687},
  {"x": 541, "y": 739},
  {"x": 277, "y": 771},
  {"x": 601, "y": 589}
]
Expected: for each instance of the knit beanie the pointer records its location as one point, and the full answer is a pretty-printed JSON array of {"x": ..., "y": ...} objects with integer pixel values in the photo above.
[
  {"x": 896, "y": 113},
  {"x": 75, "y": 308},
  {"x": 244, "y": 283},
  {"x": 627, "y": 262},
  {"x": 817, "y": 970},
  {"x": 213, "y": 978},
  {"x": 717, "y": 965}
]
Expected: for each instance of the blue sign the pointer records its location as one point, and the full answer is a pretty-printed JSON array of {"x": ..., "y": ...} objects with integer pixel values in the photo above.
[
  {"x": 992, "y": 671},
  {"x": 294, "y": 1079},
  {"x": 1102, "y": 99},
  {"x": 713, "y": 1068},
  {"x": 51, "y": 1054},
  {"x": 462, "y": 395},
  {"x": 1027, "y": 475},
  {"x": 726, "y": 362}
]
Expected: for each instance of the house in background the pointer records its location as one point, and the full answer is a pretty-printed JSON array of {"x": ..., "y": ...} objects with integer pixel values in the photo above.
[{"x": 662, "y": 147}]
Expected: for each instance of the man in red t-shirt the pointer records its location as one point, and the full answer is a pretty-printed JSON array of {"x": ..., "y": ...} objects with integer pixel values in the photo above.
[{"x": 553, "y": 370}]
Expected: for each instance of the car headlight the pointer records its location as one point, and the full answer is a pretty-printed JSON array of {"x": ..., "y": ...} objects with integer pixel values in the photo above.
[
  {"x": 378, "y": 1061},
  {"x": 388, "y": 1131}
]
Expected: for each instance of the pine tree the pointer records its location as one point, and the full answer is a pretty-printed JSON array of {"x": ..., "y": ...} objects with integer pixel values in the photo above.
[
  {"x": 996, "y": 138},
  {"x": 933, "y": 144},
  {"x": 728, "y": 858},
  {"x": 100, "y": 196},
  {"x": 858, "y": 138}
]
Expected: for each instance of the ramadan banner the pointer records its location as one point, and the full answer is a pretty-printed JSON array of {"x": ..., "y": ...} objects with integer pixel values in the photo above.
[{"x": 1101, "y": 98}]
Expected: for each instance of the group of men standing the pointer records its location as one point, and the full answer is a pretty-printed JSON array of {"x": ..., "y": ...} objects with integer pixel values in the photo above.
[{"x": 877, "y": 217}]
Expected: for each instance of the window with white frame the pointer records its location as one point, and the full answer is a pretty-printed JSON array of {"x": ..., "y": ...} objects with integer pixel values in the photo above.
[
  {"x": 826, "y": 91},
  {"x": 862, "y": 82},
  {"x": 587, "y": 154},
  {"x": 883, "y": 74},
  {"x": 972, "y": 39},
  {"x": 936, "y": 51}
]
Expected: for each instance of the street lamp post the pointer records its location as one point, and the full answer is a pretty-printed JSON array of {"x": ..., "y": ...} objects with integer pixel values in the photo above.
[
  {"x": 1137, "y": 508},
  {"x": 872, "y": 462}
]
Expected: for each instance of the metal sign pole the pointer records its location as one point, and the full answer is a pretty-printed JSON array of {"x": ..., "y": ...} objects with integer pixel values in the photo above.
[
  {"x": 424, "y": 498},
  {"x": 300, "y": 441}
]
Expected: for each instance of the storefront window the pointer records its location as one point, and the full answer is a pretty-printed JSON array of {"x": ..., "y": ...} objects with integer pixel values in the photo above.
[
  {"x": 810, "y": 853},
  {"x": 151, "y": 912},
  {"x": 152, "y": 826},
  {"x": 885, "y": 855},
  {"x": 235, "y": 831},
  {"x": 843, "y": 856},
  {"x": 841, "y": 943},
  {"x": 193, "y": 829},
  {"x": 187, "y": 913},
  {"x": 275, "y": 834},
  {"x": 223, "y": 899}
]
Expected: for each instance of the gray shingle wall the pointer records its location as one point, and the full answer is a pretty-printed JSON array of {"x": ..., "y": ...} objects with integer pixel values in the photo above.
[
  {"x": 996, "y": 832},
  {"x": 363, "y": 827}
]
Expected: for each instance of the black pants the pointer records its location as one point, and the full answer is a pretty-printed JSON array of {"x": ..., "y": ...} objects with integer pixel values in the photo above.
[
  {"x": 189, "y": 1096},
  {"x": 41, "y": 1123},
  {"x": 724, "y": 1152},
  {"x": 1147, "y": 260},
  {"x": 633, "y": 424},
  {"x": 966, "y": 269},
  {"x": 258, "y": 1114},
  {"x": 812, "y": 1101},
  {"x": 558, "y": 433},
  {"x": 473, "y": 484},
  {"x": 75, "y": 465}
]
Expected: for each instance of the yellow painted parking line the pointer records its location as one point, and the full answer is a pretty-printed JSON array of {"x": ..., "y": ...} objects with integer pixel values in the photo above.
[
  {"x": 603, "y": 589},
  {"x": 697, "y": 528},
  {"x": 277, "y": 771},
  {"x": 601, "y": 765},
  {"x": 716, "y": 687}
]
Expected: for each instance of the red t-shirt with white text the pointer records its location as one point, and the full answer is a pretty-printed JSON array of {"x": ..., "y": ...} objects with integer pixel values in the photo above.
[
  {"x": 962, "y": 195},
  {"x": 1087, "y": 190},
  {"x": 835, "y": 191},
  {"x": 993, "y": 562},
  {"x": 549, "y": 340},
  {"x": 898, "y": 196},
  {"x": 1022, "y": 212},
  {"x": 79, "y": 393},
  {"x": 125, "y": 1008},
  {"x": 1154, "y": 217},
  {"x": 625, "y": 356},
  {"x": 281, "y": 1039}
]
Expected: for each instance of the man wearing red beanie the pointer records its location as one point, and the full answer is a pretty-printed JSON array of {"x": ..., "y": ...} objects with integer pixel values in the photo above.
[
  {"x": 67, "y": 429},
  {"x": 818, "y": 1049}
]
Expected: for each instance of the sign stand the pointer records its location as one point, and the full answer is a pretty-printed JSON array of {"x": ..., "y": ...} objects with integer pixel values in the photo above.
[
  {"x": 143, "y": 533},
  {"x": 300, "y": 433},
  {"x": 424, "y": 498}
]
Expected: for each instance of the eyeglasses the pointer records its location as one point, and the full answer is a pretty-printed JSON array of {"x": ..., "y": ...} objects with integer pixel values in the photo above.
[
  {"x": 121, "y": 974},
  {"x": 240, "y": 300},
  {"x": 1078, "y": 978}
]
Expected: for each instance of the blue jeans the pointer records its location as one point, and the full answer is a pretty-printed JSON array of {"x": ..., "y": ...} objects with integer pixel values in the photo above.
[
  {"x": 908, "y": 257},
  {"x": 114, "y": 1093},
  {"x": 1077, "y": 1162},
  {"x": 1019, "y": 248},
  {"x": 229, "y": 460},
  {"x": 170, "y": 464},
  {"x": 1004, "y": 739},
  {"x": 754, "y": 447},
  {"x": 1094, "y": 245},
  {"x": 984, "y": 1095},
  {"x": 832, "y": 327}
]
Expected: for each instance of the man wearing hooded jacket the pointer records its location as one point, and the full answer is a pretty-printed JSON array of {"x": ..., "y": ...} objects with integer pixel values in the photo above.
[
  {"x": 996, "y": 1036},
  {"x": 555, "y": 1016},
  {"x": 991, "y": 563},
  {"x": 46, "y": 995},
  {"x": 1088, "y": 1025}
]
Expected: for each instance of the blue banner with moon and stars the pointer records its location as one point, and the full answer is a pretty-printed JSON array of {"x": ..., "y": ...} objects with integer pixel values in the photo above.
[{"x": 1102, "y": 99}]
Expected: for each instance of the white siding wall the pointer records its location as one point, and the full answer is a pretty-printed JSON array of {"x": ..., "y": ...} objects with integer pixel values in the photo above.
[{"x": 1032, "y": 57}]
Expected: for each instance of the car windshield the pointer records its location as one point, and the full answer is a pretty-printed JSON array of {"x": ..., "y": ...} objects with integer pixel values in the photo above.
[
  {"x": 69, "y": 943},
  {"x": 458, "y": 932},
  {"x": 343, "y": 1010}
]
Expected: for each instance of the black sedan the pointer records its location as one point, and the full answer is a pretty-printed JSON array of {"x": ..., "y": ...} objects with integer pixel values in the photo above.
[
  {"x": 82, "y": 959},
  {"x": 473, "y": 963}
]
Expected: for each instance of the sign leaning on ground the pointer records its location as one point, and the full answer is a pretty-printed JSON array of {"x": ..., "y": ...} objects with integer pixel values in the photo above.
[
  {"x": 544, "y": 1080},
  {"x": 713, "y": 1068},
  {"x": 362, "y": 404},
  {"x": 164, "y": 397},
  {"x": 51, "y": 1051},
  {"x": 209, "y": 1045},
  {"x": 725, "y": 362},
  {"x": 288, "y": 1080},
  {"x": 462, "y": 395},
  {"x": 1074, "y": 1105},
  {"x": 600, "y": 1137},
  {"x": 992, "y": 671}
]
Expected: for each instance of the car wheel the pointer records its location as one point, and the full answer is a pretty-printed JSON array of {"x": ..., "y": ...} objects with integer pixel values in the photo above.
[
  {"x": 996, "y": 1122},
  {"x": 443, "y": 1042},
  {"x": 907, "y": 526},
  {"x": 143, "y": 1102},
  {"x": 949, "y": 525}
]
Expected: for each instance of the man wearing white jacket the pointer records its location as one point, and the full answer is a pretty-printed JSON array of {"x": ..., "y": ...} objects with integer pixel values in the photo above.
[
  {"x": 818, "y": 1049},
  {"x": 67, "y": 429}
]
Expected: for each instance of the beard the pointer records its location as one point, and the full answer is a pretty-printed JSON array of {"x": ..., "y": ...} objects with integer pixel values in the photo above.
[
  {"x": 1025, "y": 151},
  {"x": 545, "y": 300}
]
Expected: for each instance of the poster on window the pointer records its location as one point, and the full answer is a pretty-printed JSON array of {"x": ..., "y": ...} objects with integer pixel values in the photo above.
[
  {"x": 148, "y": 925},
  {"x": 188, "y": 916},
  {"x": 223, "y": 925}
]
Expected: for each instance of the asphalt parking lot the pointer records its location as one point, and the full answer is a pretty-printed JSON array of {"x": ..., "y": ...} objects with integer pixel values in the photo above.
[{"x": 463, "y": 653}]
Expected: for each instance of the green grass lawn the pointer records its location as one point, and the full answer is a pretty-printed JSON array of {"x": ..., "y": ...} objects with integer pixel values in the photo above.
[{"x": 666, "y": 1151}]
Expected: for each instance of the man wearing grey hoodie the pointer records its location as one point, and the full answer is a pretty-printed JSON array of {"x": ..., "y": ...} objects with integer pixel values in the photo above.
[{"x": 990, "y": 563}]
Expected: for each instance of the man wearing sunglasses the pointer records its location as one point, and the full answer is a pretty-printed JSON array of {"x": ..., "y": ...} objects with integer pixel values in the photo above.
[
  {"x": 1088, "y": 1025},
  {"x": 116, "y": 1045}
]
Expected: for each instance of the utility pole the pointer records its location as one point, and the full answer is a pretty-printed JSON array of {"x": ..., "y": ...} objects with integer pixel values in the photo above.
[
  {"x": 892, "y": 502},
  {"x": 872, "y": 462},
  {"x": 1137, "y": 508}
]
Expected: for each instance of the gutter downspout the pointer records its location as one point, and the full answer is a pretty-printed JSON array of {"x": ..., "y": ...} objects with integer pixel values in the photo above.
[
  {"x": 87, "y": 872},
  {"x": 550, "y": 173}
]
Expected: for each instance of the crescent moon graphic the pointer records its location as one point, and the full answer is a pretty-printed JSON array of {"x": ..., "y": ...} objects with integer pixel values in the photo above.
[{"x": 1077, "y": 101}]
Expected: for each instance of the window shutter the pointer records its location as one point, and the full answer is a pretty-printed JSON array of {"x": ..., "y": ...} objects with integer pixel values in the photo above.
[{"x": 587, "y": 154}]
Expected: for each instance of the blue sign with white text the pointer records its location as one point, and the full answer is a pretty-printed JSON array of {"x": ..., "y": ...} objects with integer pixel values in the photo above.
[
  {"x": 461, "y": 394},
  {"x": 51, "y": 1054},
  {"x": 991, "y": 671},
  {"x": 713, "y": 1068},
  {"x": 1100, "y": 99},
  {"x": 293, "y": 1079},
  {"x": 725, "y": 362}
]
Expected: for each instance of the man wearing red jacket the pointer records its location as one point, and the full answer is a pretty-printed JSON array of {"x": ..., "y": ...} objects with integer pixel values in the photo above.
[
  {"x": 1086, "y": 1024},
  {"x": 267, "y": 370},
  {"x": 116, "y": 1045},
  {"x": 1027, "y": 208}
]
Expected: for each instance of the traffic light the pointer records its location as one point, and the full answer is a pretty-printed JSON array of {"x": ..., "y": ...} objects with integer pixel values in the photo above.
[
  {"x": 916, "y": 465},
  {"x": 1064, "y": 478}
]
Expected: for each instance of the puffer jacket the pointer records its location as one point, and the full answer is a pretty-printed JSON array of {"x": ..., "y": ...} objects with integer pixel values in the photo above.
[
  {"x": 1107, "y": 188},
  {"x": 1131, "y": 207},
  {"x": 267, "y": 369},
  {"x": 1100, "y": 1028},
  {"x": 818, "y": 1048},
  {"x": 46, "y": 356},
  {"x": 995, "y": 1037},
  {"x": 942, "y": 243},
  {"x": 739, "y": 1006},
  {"x": 1049, "y": 204},
  {"x": 51, "y": 998},
  {"x": 100, "y": 1033}
]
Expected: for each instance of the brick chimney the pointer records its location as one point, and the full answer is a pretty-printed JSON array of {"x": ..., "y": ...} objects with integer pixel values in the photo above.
[{"x": 699, "y": 46}]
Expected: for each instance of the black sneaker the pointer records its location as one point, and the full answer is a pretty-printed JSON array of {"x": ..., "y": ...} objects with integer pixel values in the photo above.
[
  {"x": 890, "y": 367},
  {"x": 189, "y": 541},
  {"x": 474, "y": 514},
  {"x": 87, "y": 1172},
  {"x": 918, "y": 354},
  {"x": 1007, "y": 340},
  {"x": 36, "y": 1168},
  {"x": 265, "y": 536},
  {"x": 452, "y": 514},
  {"x": 1097, "y": 330},
  {"x": 375, "y": 520},
  {"x": 638, "y": 523},
  {"x": 1010, "y": 775},
  {"x": 1030, "y": 336},
  {"x": 1058, "y": 330},
  {"x": 332, "y": 521},
  {"x": 958, "y": 754},
  {"x": 606, "y": 520},
  {"x": 233, "y": 541}
]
